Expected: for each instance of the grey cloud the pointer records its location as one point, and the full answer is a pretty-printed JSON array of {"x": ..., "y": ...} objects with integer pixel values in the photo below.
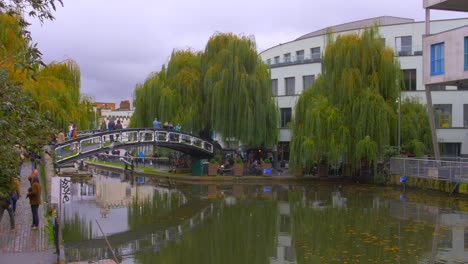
[{"x": 119, "y": 43}]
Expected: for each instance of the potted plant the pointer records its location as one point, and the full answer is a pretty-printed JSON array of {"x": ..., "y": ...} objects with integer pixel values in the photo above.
[
  {"x": 238, "y": 167},
  {"x": 266, "y": 167},
  {"x": 213, "y": 165}
]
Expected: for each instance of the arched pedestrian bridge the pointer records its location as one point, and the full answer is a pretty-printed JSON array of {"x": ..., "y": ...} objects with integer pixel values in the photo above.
[{"x": 94, "y": 143}]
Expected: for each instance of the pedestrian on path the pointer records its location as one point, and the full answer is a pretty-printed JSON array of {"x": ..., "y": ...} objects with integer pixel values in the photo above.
[
  {"x": 6, "y": 204},
  {"x": 15, "y": 192},
  {"x": 34, "y": 174},
  {"x": 34, "y": 195}
]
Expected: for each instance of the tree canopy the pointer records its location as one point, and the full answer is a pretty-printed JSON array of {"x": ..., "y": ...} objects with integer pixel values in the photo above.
[
  {"x": 35, "y": 100},
  {"x": 350, "y": 114},
  {"x": 224, "y": 89}
]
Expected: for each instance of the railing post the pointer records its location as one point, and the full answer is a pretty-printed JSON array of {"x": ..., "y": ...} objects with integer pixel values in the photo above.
[
  {"x": 419, "y": 174},
  {"x": 404, "y": 167}
]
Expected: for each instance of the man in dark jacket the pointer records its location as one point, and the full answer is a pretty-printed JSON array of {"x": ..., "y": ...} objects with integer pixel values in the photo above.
[{"x": 6, "y": 204}]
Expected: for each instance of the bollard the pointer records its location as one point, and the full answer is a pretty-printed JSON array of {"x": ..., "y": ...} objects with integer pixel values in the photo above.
[{"x": 403, "y": 182}]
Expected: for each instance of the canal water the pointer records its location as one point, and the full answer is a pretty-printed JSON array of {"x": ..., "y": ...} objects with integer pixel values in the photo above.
[{"x": 146, "y": 220}]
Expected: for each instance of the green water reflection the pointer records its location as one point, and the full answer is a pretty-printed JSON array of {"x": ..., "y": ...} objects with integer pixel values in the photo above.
[{"x": 261, "y": 223}]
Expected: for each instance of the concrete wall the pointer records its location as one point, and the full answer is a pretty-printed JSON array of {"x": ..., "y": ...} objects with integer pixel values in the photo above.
[{"x": 453, "y": 56}]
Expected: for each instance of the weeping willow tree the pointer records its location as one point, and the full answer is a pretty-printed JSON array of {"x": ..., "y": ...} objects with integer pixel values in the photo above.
[
  {"x": 56, "y": 88},
  {"x": 349, "y": 115},
  {"x": 172, "y": 94},
  {"x": 225, "y": 89},
  {"x": 416, "y": 138},
  {"x": 33, "y": 99}
]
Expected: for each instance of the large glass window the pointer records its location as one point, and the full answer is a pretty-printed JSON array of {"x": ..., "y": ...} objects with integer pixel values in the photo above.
[
  {"x": 307, "y": 81},
  {"x": 276, "y": 59},
  {"x": 274, "y": 87},
  {"x": 300, "y": 55},
  {"x": 287, "y": 57},
  {"x": 443, "y": 115},
  {"x": 315, "y": 54},
  {"x": 290, "y": 84},
  {"x": 404, "y": 45},
  {"x": 437, "y": 59},
  {"x": 409, "y": 78},
  {"x": 285, "y": 117},
  {"x": 466, "y": 53}
]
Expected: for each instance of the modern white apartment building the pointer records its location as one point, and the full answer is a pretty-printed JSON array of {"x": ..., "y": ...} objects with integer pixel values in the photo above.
[{"x": 295, "y": 65}]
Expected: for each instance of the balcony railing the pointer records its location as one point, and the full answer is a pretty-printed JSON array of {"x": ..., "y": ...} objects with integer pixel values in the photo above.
[
  {"x": 415, "y": 50},
  {"x": 294, "y": 60}
]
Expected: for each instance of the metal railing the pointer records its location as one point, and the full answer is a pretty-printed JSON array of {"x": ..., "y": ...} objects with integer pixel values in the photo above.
[
  {"x": 454, "y": 171},
  {"x": 102, "y": 141},
  {"x": 293, "y": 60}
]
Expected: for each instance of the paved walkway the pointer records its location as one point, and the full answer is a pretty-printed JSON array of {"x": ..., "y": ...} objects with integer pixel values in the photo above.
[{"x": 25, "y": 245}]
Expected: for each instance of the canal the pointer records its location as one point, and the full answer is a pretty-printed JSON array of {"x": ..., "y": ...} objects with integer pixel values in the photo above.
[{"x": 147, "y": 220}]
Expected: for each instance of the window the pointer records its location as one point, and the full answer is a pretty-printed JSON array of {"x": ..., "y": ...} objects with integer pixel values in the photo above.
[
  {"x": 437, "y": 59},
  {"x": 276, "y": 59},
  {"x": 443, "y": 115},
  {"x": 285, "y": 117},
  {"x": 437, "y": 87},
  {"x": 287, "y": 57},
  {"x": 403, "y": 45},
  {"x": 307, "y": 81},
  {"x": 409, "y": 77},
  {"x": 465, "y": 115},
  {"x": 450, "y": 150},
  {"x": 274, "y": 87},
  {"x": 269, "y": 62},
  {"x": 315, "y": 54},
  {"x": 290, "y": 84},
  {"x": 300, "y": 55},
  {"x": 466, "y": 53}
]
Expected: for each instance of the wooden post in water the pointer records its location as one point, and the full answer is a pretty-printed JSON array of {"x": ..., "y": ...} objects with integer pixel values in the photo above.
[{"x": 107, "y": 242}]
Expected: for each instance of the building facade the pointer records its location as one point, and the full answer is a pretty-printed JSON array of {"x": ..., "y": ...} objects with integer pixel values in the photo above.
[{"x": 296, "y": 64}]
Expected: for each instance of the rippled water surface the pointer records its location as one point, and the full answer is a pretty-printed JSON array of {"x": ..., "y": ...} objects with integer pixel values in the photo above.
[{"x": 155, "y": 221}]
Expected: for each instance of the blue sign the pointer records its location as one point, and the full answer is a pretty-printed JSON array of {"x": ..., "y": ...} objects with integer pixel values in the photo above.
[
  {"x": 267, "y": 189},
  {"x": 402, "y": 179},
  {"x": 267, "y": 171},
  {"x": 141, "y": 180}
]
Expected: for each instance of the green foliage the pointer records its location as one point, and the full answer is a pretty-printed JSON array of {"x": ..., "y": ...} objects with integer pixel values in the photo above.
[
  {"x": 415, "y": 129},
  {"x": 33, "y": 99},
  {"x": 57, "y": 89},
  {"x": 350, "y": 112},
  {"x": 216, "y": 159},
  {"x": 225, "y": 89},
  {"x": 20, "y": 123}
]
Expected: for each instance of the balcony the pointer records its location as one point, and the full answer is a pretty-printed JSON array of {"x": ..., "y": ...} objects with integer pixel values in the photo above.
[
  {"x": 403, "y": 51},
  {"x": 294, "y": 60}
]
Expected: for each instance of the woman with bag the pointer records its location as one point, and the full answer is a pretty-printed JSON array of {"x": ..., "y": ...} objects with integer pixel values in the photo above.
[{"x": 34, "y": 195}]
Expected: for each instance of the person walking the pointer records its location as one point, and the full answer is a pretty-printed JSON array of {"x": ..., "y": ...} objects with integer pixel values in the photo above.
[
  {"x": 6, "y": 204},
  {"x": 15, "y": 193},
  {"x": 34, "y": 195},
  {"x": 156, "y": 124},
  {"x": 111, "y": 127},
  {"x": 60, "y": 140},
  {"x": 34, "y": 174}
]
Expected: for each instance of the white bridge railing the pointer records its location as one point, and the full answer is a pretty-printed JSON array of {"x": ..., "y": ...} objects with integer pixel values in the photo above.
[
  {"x": 432, "y": 169},
  {"x": 69, "y": 150}
]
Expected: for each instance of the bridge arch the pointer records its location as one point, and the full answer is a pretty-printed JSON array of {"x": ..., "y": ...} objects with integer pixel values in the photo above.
[{"x": 97, "y": 142}]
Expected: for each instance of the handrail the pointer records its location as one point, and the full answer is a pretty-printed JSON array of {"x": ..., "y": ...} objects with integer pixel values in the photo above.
[{"x": 74, "y": 149}]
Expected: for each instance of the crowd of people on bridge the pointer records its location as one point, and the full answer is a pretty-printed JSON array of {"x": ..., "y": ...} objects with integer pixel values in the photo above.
[{"x": 167, "y": 125}]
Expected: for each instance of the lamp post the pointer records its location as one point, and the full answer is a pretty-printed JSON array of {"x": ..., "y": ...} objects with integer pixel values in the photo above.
[{"x": 399, "y": 124}]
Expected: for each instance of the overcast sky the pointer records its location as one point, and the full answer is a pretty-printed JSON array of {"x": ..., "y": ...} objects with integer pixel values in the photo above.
[{"x": 118, "y": 43}]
